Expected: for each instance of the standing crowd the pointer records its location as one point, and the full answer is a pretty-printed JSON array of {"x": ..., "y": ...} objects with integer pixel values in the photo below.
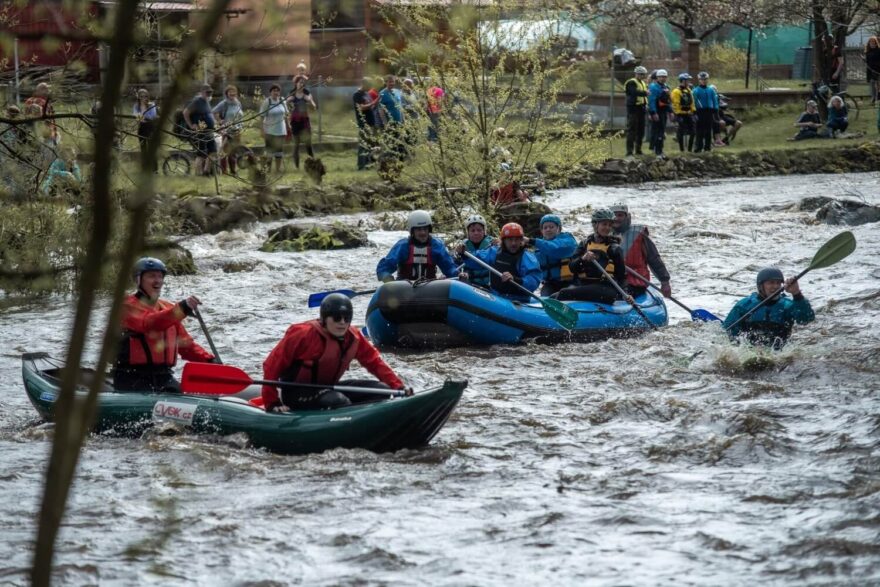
[{"x": 700, "y": 113}]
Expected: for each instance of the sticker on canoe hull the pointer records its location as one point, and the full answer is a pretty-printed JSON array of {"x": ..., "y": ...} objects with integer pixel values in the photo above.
[
  {"x": 48, "y": 396},
  {"x": 484, "y": 293},
  {"x": 174, "y": 412}
]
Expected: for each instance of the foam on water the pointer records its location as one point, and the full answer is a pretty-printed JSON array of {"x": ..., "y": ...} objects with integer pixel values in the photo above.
[{"x": 674, "y": 458}]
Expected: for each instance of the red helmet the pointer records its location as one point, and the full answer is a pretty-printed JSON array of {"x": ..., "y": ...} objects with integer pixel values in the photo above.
[{"x": 511, "y": 229}]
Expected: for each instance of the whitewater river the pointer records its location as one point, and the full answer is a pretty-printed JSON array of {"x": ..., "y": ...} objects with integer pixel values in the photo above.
[{"x": 664, "y": 460}]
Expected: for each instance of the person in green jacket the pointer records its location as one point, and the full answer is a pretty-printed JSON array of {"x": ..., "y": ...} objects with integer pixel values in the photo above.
[{"x": 771, "y": 324}]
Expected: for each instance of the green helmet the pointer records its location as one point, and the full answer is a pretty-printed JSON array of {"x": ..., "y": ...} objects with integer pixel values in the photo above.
[{"x": 602, "y": 214}]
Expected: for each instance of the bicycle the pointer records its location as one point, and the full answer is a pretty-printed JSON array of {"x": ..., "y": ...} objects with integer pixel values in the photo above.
[
  {"x": 179, "y": 162},
  {"x": 822, "y": 94}
]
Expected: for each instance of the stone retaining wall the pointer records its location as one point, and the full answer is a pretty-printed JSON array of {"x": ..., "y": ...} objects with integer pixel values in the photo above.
[{"x": 717, "y": 165}]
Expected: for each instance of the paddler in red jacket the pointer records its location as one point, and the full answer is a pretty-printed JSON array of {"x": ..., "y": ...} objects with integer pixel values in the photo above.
[
  {"x": 153, "y": 334},
  {"x": 319, "y": 352},
  {"x": 639, "y": 253}
]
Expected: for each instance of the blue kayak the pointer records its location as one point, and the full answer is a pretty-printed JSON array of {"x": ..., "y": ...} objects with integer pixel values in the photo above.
[{"x": 447, "y": 313}]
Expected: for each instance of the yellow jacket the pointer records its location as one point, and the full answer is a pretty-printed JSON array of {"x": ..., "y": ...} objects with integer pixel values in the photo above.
[{"x": 677, "y": 106}]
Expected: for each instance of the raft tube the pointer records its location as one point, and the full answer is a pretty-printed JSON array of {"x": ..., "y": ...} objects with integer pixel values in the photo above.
[
  {"x": 447, "y": 313},
  {"x": 379, "y": 426}
]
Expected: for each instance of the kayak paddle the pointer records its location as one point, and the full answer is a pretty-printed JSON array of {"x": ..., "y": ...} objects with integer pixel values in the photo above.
[
  {"x": 836, "y": 249},
  {"x": 214, "y": 379},
  {"x": 698, "y": 314},
  {"x": 316, "y": 298},
  {"x": 625, "y": 295},
  {"x": 198, "y": 316},
  {"x": 564, "y": 315}
]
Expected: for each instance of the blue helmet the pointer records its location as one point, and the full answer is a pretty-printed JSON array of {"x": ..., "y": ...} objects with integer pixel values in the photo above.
[
  {"x": 145, "y": 264},
  {"x": 551, "y": 218},
  {"x": 684, "y": 76},
  {"x": 768, "y": 273}
]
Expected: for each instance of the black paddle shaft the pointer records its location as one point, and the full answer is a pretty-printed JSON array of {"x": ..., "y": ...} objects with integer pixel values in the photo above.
[
  {"x": 619, "y": 289},
  {"x": 650, "y": 284},
  {"x": 198, "y": 316}
]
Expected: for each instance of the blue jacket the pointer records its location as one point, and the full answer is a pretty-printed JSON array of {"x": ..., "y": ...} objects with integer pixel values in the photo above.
[
  {"x": 655, "y": 92},
  {"x": 58, "y": 171},
  {"x": 529, "y": 270},
  {"x": 772, "y": 321},
  {"x": 550, "y": 253},
  {"x": 837, "y": 116},
  {"x": 391, "y": 102},
  {"x": 399, "y": 254},
  {"x": 476, "y": 274},
  {"x": 705, "y": 98}
]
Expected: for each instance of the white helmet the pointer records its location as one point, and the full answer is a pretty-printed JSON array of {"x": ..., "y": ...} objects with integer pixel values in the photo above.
[
  {"x": 662, "y": 72},
  {"x": 475, "y": 219},
  {"x": 640, "y": 69},
  {"x": 418, "y": 219}
]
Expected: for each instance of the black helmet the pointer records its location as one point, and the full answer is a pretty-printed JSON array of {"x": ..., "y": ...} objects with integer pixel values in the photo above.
[
  {"x": 768, "y": 273},
  {"x": 337, "y": 305},
  {"x": 145, "y": 264}
]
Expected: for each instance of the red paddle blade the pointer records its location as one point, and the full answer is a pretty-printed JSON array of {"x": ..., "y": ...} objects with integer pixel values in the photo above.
[{"x": 213, "y": 379}]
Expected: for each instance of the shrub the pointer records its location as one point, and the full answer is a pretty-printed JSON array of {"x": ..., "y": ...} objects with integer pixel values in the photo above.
[{"x": 723, "y": 60}]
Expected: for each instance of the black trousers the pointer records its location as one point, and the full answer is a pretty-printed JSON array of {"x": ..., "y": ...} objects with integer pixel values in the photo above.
[
  {"x": 658, "y": 132},
  {"x": 601, "y": 293},
  {"x": 145, "y": 131},
  {"x": 705, "y": 119},
  {"x": 158, "y": 379},
  {"x": 685, "y": 129},
  {"x": 308, "y": 398},
  {"x": 551, "y": 287},
  {"x": 635, "y": 129}
]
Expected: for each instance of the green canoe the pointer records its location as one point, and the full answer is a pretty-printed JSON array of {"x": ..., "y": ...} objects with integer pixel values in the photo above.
[{"x": 379, "y": 426}]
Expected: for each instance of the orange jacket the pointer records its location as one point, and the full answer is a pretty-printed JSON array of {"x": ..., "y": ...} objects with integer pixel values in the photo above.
[
  {"x": 309, "y": 354},
  {"x": 153, "y": 335}
]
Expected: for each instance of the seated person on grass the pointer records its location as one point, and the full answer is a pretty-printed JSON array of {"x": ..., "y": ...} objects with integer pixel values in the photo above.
[{"x": 808, "y": 123}]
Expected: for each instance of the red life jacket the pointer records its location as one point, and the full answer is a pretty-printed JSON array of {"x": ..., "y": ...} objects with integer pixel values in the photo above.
[
  {"x": 632, "y": 242},
  {"x": 333, "y": 361},
  {"x": 154, "y": 348},
  {"x": 418, "y": 264}
]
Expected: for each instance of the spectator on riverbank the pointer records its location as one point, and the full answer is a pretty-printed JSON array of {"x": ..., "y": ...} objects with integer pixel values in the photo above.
[
  {"x": 659, "y": 108},
  {"x": 300, "y": 100},
  {"x": 230, "y": 113},
  {"x": 706, "y": 101},
  {"x": 146, "y": 112},
  {"x": 365, "y": 116},
  {"x": 872, "y": 63},
  {"x": 636, "y": 107},
  {"x": 42, "y": 99},
  {"x": 64, "y": 173},
  {"x": 808, "y": 123},
  {"x": 199, "y": 118},
  {"x": 391, "y": 104},
  {"x": 837, "y": 68},
  {"x": 273, "y": 111},
  {"x": 684, "y": 110},
  {"x": 728, "y": 123},
  {"x": 435, "y": 95},
  {"x": 838, "y": 120}
]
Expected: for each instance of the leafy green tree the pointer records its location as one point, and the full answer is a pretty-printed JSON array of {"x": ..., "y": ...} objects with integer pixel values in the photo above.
[{"x": 503, "y": 106}]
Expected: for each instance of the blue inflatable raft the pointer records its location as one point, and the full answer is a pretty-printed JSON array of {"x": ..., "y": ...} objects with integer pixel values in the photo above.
[{"x": 447, "y": 313}]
